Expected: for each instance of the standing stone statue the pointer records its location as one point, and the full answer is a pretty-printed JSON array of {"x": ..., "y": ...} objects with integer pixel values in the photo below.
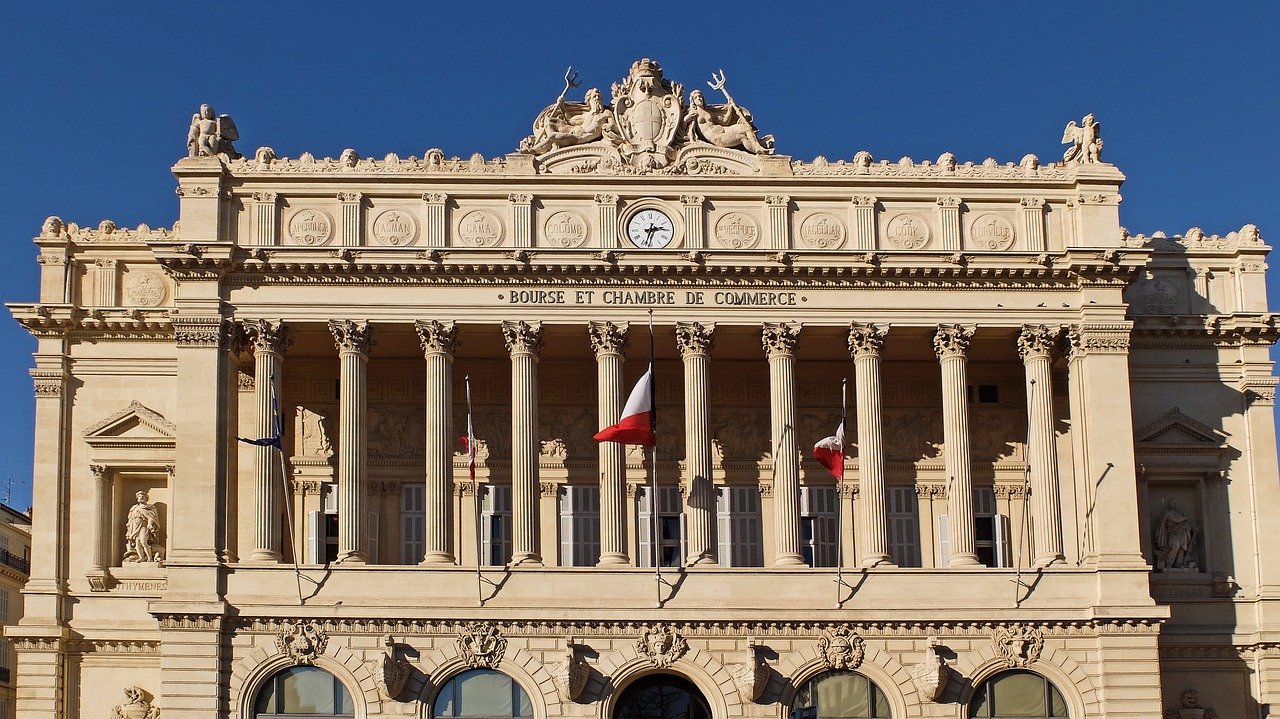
[
  {"x": 1085, "y": 139},
  {"x": 1175, "y": 540},
  {"x": 210, "y": 135},
  {"x": 141, "y": 531}
]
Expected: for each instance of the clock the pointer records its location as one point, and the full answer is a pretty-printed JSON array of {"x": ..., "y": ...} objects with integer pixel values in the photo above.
[{"x": 650, "y": 228}]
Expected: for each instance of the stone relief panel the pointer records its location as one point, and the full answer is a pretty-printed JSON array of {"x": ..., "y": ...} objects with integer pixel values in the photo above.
[
  {"x": 912, "y": 435},
  {"x": 736, "y": 230},
  {"x": 480, "y": 228},
  {"x": 821, "y": 231},
  {"x": 145, "y": 289},
  {"x": 1157, "y": 294},
  {"x": 565, "y": 228},
  {"x": 394, "y": 228},
  {"x": 310, "y": 226},
  {"x": 990, "y": 231},
  {"x": 302, "y": 641},
  {"x": 312, "y": 432},
  {"x": 740, "y": 434},
  {"x": 906, "y": 231},
  {"x": 396, "y": 431}
]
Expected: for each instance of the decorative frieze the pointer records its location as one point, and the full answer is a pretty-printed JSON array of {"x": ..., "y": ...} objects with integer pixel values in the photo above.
[{"x": 191, "y": 331}]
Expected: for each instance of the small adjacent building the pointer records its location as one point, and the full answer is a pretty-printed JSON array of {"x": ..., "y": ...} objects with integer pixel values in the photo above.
[
  {"x": 1048, "y": 475},
  {"x": 15, "y": 566}
]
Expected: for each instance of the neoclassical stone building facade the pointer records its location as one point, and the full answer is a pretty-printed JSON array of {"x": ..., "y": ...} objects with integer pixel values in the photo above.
[{"x": 1060, "y": 469}]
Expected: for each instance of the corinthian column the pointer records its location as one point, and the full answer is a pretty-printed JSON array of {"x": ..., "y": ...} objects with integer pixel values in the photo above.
[
  {"x": 779, "y": 341},
  {"x": 354, "y": 342},
  {"x": 269, "y": 340},
  {"x": 865, "y": 344},
  {"x": 439, "y": 342},
  {"x": 609, "y": 342},
  {"x": 951, "y": 342},
  {"x": 1035, "y": 344},
  {"x": 695, "y": 342},
  {"x": 524, "y": 342}
]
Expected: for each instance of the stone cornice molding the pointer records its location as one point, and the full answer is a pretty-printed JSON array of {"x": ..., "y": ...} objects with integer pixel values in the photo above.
[
  {"x": 64, "y": 320},
  {"x": 695, "y": 338},
  {"x": 1099, "y": 338},
  {"x": 609, "y": 338}
]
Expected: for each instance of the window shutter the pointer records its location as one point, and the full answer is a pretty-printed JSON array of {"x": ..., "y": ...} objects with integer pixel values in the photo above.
[
  {"x": 644, "y": 528},
  {"x": 566, "y": 525},
  {"x": 904, "y": 526},
  {"x": 944, "y": 541},
  {"x": 413, "y": 531},
  {"x": 315, "y": 539},
  {"x": 724, "y": 527},
  {"x": 495, "y": 537},
  {"x": 586, "y": 525},
  {"x": 1002, "y": 541},
  {"x": 373, "y": 537}
]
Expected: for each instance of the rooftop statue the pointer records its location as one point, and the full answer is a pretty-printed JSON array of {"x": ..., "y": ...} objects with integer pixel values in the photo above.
[
  {"x": 211, "y": 136},
  {"x": 725, "y": 125},
  {"x": 1085, "y": 139},
  {"x": 565, "y": 124}
]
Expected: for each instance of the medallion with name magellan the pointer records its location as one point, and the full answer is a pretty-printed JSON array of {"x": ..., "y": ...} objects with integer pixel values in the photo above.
[{"x": 822, "y": 231}]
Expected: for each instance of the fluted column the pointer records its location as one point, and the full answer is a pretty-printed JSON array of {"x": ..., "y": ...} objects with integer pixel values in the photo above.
[
  {"x": 865, "y": 345},
  {"x": 101, "y": 510},
  {"x": 695, "y": 341},
  {"x": 524, "y": 342},
  {"x": 1035, "y": 344},
  {"x": 951, "y": 342},
  {"x": 439, "y": 342},
  {"x": 269, "y": 341},
  {"x": 609, "y": 342},
  {"x": 780, "y": 341},
  {"x": 354, "y": 342}
]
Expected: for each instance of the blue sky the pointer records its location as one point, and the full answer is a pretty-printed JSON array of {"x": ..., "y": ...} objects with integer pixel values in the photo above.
[{"x": 95, "y": 98}]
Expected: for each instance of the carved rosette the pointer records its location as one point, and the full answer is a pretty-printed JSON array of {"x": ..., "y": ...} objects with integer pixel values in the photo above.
[
  {"x": 751, "y": 675},
  {"x": 694, "y": 338},
  {"x": 570, "y": 674},
  {"x": 437, "y": 337},
  {"x": 866, "y": 340},
  {"x": 609, "y": 338},
  {"x": 302, "y": 642},
  {"x": 662, "y": 645},
  {"x": 952, "y": 340},
  {"x": 268, "y": 336},
  {"x": 1018, "y": 644},
  {"x": 780, "y": 339},
  {"x": 481, "y": 644},
  {"x": 841, "y": 648},
  {"x": 522, "y": 338},
  {"x": 1037, "y": 341},
  {"x": 351, "y": 336}
]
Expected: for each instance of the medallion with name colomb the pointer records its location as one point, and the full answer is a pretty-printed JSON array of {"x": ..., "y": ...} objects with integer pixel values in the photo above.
[{"x": 565, "y": 229}]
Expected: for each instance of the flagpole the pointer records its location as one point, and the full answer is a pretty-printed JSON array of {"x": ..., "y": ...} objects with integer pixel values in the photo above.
[
  {"x": 656, "y": 548},
  {"x": 844, "y": 381},
  {"x": 475, "y": 491}
]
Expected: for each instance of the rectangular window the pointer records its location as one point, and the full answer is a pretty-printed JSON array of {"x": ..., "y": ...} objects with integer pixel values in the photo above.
[
  {"x": 904, "y": 526},
  {"x": 373, "y": 538},
  {"x": 670, "y": 527},
  {"x": 739, "y": 528},
  {"x": 413, "y": 531},
  {"x": 818, "y": 539},
  {"x": 579, "y": 525},
  {"x": 4, "y": 606},
  {"x": 990, "y": 531},
  {"x": 495, "y": 525}
]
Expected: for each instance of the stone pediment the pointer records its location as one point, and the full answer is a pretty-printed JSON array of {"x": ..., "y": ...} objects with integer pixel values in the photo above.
[
  {"x": 135, "y": 426},
  {"x": 1176, "y": 428}
]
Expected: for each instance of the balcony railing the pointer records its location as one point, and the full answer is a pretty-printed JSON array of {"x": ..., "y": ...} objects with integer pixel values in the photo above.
[{"x": 22, "y": 564}]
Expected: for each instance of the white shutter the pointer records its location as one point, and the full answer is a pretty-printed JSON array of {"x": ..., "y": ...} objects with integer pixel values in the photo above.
[
  {"x": 724, "y": 523},
  {"x": 413, "y": 530},
  {"x": 1002, "y": 541},
  {"x": 579, "y": 525},
  {"x": 496, "y": 525},
  {"x": 565, "y": 501},
  {"x": 904, "y": 526},
  {"x": 818, "y": 505},
  {"x": 747, "y": 548},
  {"x": 944, "y": 542},
  {"x": 644, "y": 527},
  {"x": 315, "y": 538},
  {"x": 373, "y": 537}
]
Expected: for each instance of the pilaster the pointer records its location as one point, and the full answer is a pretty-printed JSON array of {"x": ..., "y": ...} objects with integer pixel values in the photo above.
[
  {"x": 779, "y": 210},
  {"x": 1033, "y": 224},
  {"x": 106, "y": 277},
  {"x": 694, "y": 220},
  {"x": 435, "y": 228},
  {"x": 266, "y": 219},
  {"x": 521, "y": 218},
  {"x": 607, "y": 219},
  {"x": 352, "y": 211},
  {"x": 864, "y": 222}
]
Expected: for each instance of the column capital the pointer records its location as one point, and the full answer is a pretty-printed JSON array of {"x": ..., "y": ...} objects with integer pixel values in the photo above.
[
  {"x": 522, "y": 337},
  {"x": 1032, "y": 203},
  {"x": 952, "y": 340},
  {"x": 605, "y": 198},
  {"x": 351, "y": 336},
  {"x": 948, "y": 201},
  {"x": 206, "y": 331},
  {"x": 267, "y": 336},
  {"x": 866, "y": 340},
  {"x": 437, "y": 337},
  {"x": 1037, "y": 341},
  {"x": 100, "y": 471},
  {"x": 1098, "y": 338},
  {"x": 777, "y": 200},
  {"x": 609, "y": 338},
  {"x": 692, "y": 200},
  {"x": 865, "y": 200},
  {"x": 350, "y": 197},
  {"x": 780, "y": 338},
  {"x": 695, "y": 338}
]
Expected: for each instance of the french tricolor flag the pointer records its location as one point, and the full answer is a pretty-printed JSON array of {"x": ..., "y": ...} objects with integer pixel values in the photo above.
[
  {"x": 638, "y": 418},
  {"x": 829, "y": 451}
]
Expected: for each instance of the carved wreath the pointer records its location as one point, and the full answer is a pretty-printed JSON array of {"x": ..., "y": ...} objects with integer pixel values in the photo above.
[
  {"x": 841, "y": 648},
  {"x": 481, "y": 644},
  {"x": 662, "y": 645},
  {"x": 302, "y": 642},
  {"x": 1019, "y": 645}
]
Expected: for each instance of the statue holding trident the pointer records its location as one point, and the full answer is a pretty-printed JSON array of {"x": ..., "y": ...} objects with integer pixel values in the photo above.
[
  {"x": 565, "y": 124},
  {"x": 724, "y": 125}
]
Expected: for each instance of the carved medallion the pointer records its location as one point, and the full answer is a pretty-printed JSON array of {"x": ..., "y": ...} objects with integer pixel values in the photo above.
[
  {"x": 311, "y": 227},
  {"x": 990, "y": 232},
  {"x": 907, "y": 232},
  {"x": 662, "y": 645},
  {"x": 145, "y": 289},
  {"x": 480, "y": 228},
  {"x": 396, "y": 228},
  {"x": 822, "y": 231},
  {"x": 303, "y": 642},
  {"x": 1020, "y": 645},
  {"x": 1160, "y": 297},
  {"x": 647, "y": 108},
  {"x": 737, "y": 230},
  {"x": 841, "y": 648},
  {"x": 565, "y": 229},
  {"x": 481, "y": 644}
]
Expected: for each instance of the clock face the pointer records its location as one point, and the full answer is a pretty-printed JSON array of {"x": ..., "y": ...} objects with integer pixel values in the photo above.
[{"x": 651, "y": 229}]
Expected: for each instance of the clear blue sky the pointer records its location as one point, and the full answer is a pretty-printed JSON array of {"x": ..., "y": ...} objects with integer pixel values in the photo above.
[{"x": 96, "y": 98}]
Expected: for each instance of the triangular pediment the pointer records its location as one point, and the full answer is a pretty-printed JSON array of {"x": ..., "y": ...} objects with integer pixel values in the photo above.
[
  {"x": 135, "y": 422},
  {"x": 1177, "y": 428}
]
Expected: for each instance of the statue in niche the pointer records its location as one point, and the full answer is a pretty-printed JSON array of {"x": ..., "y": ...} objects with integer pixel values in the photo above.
[
  {"x": 565, "y": 124},
  {"x": 211, "y": 135},
  {"x": 138, "y": 707},
  {"x": 1085, "y": 139},
  {"x": 725, "y": 125},
  {"x": 1175, "y": 540},
  {"x": 312, "y": 434},
  {"x": 141, "y": 531}
]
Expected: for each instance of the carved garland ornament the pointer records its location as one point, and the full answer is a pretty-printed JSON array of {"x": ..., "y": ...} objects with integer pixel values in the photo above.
[
  {"x": 1019, "y": 644},
  {"x": 302, "y": 642},
  {"x": 481, "y": 644},
  {"x": 841, "y": 648},
  {"x": 662, "y": 645}
]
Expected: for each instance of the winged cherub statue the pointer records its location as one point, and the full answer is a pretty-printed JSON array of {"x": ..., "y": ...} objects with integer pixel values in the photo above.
[{"x": 1085, "y": 139}]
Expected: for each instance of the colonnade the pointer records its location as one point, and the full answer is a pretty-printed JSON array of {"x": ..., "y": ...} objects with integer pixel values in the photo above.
[{"x": 695, "y": 341}]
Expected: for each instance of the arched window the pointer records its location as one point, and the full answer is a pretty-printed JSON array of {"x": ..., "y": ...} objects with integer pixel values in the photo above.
[
  {"x": 840, "y": 695},
  {"x": 303, "y": 693},
  {"x": 482, "y": 694},
  {"x": 662, "y": 696},
  {"x": 1017, "y": 694}
]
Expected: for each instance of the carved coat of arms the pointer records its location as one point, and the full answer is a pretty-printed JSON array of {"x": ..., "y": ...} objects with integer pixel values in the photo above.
[
  {"x": 648, "y": 109},
  {"x": 662, "y": 645},
  {"x": 481, "y": 644},
  {"x": 303, "y": 642},
  {"x": 1019, "y": 645},
  {"x": 841, "y": 648}
]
